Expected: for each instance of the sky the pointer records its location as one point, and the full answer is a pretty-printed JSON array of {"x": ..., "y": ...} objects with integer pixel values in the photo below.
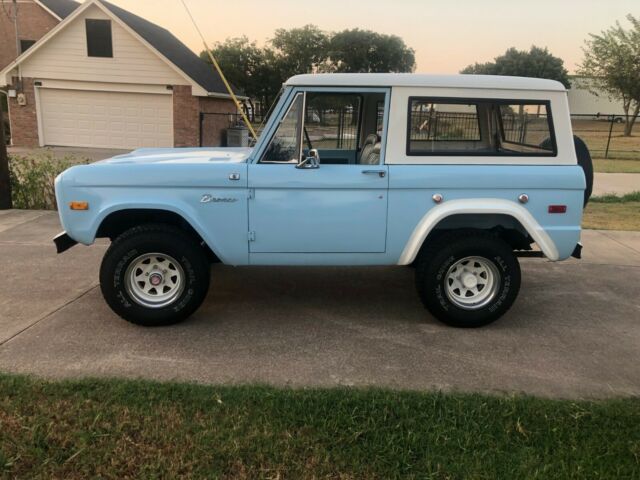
[{"x": 447, "y": 35}]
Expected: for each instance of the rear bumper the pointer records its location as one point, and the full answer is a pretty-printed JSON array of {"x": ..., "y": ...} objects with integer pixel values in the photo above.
[{"x": 64, "y": 242}]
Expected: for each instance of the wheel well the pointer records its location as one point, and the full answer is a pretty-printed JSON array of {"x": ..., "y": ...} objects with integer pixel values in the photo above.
[
  {"x": 116, "y": 223},
  {"x": 503, "y": 226}
]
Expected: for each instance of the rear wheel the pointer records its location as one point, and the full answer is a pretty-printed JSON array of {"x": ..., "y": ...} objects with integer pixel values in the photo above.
[
  {"x": 468, "y": 279},
  {"x": 154, "y": 275}
]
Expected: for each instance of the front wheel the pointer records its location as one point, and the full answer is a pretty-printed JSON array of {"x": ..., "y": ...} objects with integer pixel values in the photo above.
[
  {"x": 154, "y": 275},
  {"x": 468, "y": 279}
]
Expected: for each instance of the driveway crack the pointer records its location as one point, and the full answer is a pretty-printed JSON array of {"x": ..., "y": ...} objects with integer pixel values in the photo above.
[{"x": 48, "y": 314}]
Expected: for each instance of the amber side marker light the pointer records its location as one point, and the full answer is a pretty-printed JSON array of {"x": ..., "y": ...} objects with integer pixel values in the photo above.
[
  {"x": 557, "y": 209},
  {"x": 79, "y": 205}
]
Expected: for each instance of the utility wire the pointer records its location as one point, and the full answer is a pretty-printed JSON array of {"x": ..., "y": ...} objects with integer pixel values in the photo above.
[{"x": 219, "y": 70}]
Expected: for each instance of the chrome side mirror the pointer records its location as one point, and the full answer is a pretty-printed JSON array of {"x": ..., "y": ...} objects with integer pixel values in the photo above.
[{"x": 312, "y": 161}]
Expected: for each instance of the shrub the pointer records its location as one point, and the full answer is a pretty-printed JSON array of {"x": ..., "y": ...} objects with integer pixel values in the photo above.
[{"x": 33, "y": 177}]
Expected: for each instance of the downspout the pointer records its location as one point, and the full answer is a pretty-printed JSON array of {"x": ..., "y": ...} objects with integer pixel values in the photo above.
[{"x": 17, "y": 30}]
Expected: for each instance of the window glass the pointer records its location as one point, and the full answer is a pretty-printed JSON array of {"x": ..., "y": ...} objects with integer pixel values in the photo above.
[
  {"x": 443, "y": 127},
  {"x": 479, "y": 127},
  {"x": 99, "y": 41},
  {"x": 331, "y": 121},
  {"x": 285, "y": 144},
  {"x": 525, "y": 128}
]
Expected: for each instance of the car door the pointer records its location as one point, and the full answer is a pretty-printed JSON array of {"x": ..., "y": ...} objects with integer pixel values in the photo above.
[{"x": 337, "y": 207}]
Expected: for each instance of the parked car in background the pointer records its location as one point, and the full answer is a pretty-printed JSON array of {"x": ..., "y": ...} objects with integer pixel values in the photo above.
[{"x": 456, "y": 176}]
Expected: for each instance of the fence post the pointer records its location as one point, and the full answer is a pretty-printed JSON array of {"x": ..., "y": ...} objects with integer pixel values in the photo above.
[
  {"x": 201, "y": 122},
  {"x": 611, "y": 122}
]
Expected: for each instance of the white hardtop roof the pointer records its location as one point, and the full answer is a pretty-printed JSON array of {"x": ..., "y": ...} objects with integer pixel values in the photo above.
[{"x": 423, "y": 80}]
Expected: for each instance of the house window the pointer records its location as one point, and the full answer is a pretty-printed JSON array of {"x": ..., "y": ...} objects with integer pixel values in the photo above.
[
  {"x": 26, "y": 45},
  {"x": 99, "y": 40}
]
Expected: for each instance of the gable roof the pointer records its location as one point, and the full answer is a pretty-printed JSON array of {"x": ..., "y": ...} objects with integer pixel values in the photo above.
[
  {"x": 160, "y": 41},
  {"x": 172, "y": 48},
  {"x": 59, "y": 8}
]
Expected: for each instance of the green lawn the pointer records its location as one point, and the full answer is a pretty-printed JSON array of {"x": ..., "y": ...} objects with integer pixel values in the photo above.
[
  {"x": 124, "y": 429},
  {"x": 613, "y": 212},
  {"x": 601, "y": 165}
]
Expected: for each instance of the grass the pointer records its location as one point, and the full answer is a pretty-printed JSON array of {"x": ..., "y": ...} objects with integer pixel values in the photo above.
[
  {"x": 613, "y": 212},
  {"x": 612, "y": 216},
  {"x": 601, "y": 165},
  {"x": 613, "y": 198},
  {"x": 126, "y": 429}
]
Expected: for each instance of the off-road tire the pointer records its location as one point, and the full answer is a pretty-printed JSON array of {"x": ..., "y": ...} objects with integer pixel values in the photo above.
[
  {"x": 435, "y": 260},
  {"x": 154, "y": 238}
]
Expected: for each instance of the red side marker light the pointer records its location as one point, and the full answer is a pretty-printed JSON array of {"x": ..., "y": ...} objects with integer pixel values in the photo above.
[{"x": 557, "y": 209}]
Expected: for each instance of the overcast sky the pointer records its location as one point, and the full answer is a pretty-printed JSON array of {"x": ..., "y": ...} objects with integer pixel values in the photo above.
[{"x": 447, "y": 35}]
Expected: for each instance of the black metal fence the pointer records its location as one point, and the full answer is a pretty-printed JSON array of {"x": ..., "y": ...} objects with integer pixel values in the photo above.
[
  {"x": 604, "y": 135},
  {"x": 431, "y": 125}
]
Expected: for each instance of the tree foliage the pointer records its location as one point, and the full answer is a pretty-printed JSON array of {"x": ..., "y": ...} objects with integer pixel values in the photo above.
[
  {"x": 300, "y": 50},
  {"x": 260, "y": 71},
  {"x": 612, "y": 60},
  {"x": 248, "y": 67},
  {"x": 366, "y": 51},
  {"x": 537, "y": 63}
]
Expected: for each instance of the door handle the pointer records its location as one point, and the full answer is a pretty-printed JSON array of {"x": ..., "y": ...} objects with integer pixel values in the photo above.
[{"x": 380, "y": 173}]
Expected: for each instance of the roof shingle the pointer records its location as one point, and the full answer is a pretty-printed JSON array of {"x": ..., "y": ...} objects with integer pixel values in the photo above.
[
  {"x": 62, "y": 8},
  {"x": 173, "y": 49}
]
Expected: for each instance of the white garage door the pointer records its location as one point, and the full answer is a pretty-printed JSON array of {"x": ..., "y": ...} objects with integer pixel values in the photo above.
[{"x": 78, "y": 118}]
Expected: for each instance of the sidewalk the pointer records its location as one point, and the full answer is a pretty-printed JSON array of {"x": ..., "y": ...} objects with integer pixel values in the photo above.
[{"x": 618, "y": 183}]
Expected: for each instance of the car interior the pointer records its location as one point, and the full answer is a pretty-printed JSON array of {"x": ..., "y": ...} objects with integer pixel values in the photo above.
[{"x": 344, "y": 128}]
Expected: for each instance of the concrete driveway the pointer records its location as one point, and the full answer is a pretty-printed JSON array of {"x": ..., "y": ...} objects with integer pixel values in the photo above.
[{"x": 574, "y": 331}]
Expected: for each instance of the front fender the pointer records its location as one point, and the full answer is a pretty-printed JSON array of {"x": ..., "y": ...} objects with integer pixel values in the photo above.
[{"x": 228, "y": 240}]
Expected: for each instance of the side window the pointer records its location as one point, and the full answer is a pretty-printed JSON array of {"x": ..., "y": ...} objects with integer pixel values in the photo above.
[
  {"x": 443, "y": 127},
  {"x": 473, "y": 127},
  {"x": 525, "y": 128},
  {"x": 332, "y": 120},
  {"x": 285, "y": 146}
]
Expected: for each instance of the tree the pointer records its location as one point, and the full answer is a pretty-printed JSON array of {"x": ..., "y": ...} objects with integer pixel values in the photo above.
[
  {"x": 612, "y": 60},
  {"x": 248, "y": 67},
  {"x": 366, "y": 51},
  {"x": 537, "y": 63},
  {"x": 300, "y": 50}
]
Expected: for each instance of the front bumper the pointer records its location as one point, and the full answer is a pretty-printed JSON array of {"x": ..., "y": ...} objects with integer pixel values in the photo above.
[{"x": 64, "y": 242}]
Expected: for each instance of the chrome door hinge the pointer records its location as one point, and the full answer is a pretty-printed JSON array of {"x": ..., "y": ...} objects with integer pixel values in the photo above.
[
  {"x": 251, "y": 193},
  {"x": 252, "y": 236}
]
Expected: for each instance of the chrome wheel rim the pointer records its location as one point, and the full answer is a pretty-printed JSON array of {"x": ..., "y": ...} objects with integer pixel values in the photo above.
[
  {"x": 472, "y": 283},
  {"x": 154, "y": 280}
]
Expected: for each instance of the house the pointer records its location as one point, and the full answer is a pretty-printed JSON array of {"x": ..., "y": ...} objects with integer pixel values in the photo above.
[
  {"x": 34, "y": 20},
  {"x": 100, "y": 76}
]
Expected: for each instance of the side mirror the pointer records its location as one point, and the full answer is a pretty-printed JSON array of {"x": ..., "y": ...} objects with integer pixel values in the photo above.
[{"x": 310, "y": 162}]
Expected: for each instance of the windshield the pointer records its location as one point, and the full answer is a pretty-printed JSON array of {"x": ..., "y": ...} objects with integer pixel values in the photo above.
[{"x": 260, "y": 127}]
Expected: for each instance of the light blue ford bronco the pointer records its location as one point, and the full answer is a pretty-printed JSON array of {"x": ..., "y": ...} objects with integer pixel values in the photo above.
[{"x": 456, "y": 176}]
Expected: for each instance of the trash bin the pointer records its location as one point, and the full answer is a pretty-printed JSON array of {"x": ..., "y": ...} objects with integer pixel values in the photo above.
[{"x": 237, "y": 137}]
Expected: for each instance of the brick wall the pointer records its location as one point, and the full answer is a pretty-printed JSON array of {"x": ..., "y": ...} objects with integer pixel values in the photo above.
[
  {"x": 186, "y": 118},
  {"x": 214, "y": 126},
  {"x": 33, "y": 23},
  {"x": 24, "y": 121}
]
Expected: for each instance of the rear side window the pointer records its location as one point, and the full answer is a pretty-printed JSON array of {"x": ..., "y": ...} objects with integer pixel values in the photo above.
[{"x": 476, "y": 127}]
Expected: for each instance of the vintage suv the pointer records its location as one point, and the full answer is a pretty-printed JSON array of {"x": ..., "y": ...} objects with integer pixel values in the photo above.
[{"x": 456, "y": 176}]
